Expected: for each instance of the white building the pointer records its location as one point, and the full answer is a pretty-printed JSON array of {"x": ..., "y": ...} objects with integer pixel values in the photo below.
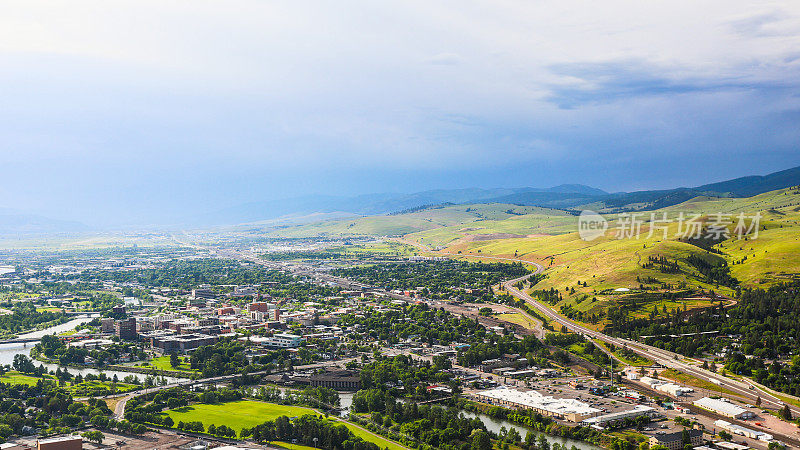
[
  {"x": 278, "y": 340},
  {"x": 560, "y": 408},
  {"x": 724, "y": 408},
  {"x": 639, "y": 410},
  {"x": 743, "y": 431},
  {"x": 665, "y": 386}
]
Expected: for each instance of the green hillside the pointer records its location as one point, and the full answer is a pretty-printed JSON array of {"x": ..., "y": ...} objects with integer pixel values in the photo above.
[
  {"x": 455, "y": 220},
  {"x": 668, "y": 273},
  {"x": 608, "y": 263}
]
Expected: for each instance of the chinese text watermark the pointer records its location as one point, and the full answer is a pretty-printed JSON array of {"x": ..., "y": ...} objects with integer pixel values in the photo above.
[{"x": 679, "y": 225}]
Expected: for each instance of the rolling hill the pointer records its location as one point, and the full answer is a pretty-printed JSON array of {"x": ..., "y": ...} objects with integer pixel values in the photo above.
[
  {"x": 589, "y": 274},
  {"x": 569, "y": 198}
]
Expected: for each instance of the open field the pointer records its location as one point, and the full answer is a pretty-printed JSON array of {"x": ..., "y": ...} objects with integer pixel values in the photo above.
[
  {"x": 587, "y": 275},
  {"x": 96, "y": 388},
  {"x": 162, "y": 363},
  {"x": 237, "y": 415},
  {"x": 14, "y": 377},
  {"x": 601, "y": 267},
  {"x": 368, "y": 436},
  {"x": 289, "y": 446},
  {"x": 82, "y": 389},
  {"x": 477, "y": 219},
  {"x": 248, "y": 413},
  {"x": 690, "y": 380},
  {"x": 519, "y": 319}
]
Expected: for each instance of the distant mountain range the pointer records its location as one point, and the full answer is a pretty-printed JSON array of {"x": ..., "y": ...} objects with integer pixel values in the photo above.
[
  {"x": 565, "y": 196},
  {"x": 319, "y": 208},
  {"x": 18, "y": 224}
]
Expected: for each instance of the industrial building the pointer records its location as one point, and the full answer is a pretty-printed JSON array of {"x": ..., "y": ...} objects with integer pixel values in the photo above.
[
  {"x": 724, "y": 408},
  {"x": 743, "y": 431},
  {"x": 638, "y": 411},
  {"x": 665, "y": 386},
  {"x": 565, "y": 409}
]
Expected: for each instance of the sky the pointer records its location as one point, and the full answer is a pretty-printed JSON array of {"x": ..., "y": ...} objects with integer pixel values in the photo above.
[{"x": 133, "y": 112}]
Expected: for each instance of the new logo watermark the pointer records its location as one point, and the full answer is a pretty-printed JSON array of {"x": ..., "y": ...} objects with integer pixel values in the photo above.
[
  {"x": 591, "y": 225},
  {"x": 715, "y": 227}
]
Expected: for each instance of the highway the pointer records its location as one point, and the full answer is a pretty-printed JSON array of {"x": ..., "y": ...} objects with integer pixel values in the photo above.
[
  {"x": 663, "y": 357},
  {"x": 747, "y": 391},
  {"x": 119, "y": 410}
]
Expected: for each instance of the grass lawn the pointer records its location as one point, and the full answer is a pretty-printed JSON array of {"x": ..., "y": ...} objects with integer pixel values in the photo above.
[
  {"x": 162, "y": 363},
  {"x": 96, "y": 388},
  {"x": 237, "y": 415},
  {"x": 289, "y": 446},
  {"x": 249, "y": 413},
  {"x": 630, "y": 359},
  {"x": 368, "y": 436},
  {"x": 14, "y": 377},
  {"x": 680, "y": 377},
  {"x": 519, "y": 319}
]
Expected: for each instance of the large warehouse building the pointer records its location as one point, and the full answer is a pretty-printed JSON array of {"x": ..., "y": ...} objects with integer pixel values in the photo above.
[
  {"x": 724, "y": 408},
  {"x": 637, "y": 411},
  {"x": 559, "y": 408}
]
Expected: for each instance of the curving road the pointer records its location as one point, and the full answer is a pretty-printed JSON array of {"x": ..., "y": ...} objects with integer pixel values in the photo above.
[
  {"x": 668, "y": 359},
  {"x": 663, "y": 357},
  {"x": 746, "y": 390}
]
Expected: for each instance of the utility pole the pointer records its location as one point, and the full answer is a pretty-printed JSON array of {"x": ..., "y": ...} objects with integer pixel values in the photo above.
[{"x": 612, "y": 369}]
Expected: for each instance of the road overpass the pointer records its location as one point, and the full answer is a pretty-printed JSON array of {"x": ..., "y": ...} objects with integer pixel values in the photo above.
[
  {"x": 665, "y": 358},
  {"x": 668, "y": 359}
]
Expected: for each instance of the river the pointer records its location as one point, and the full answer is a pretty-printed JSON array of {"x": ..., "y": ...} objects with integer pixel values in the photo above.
[
  {"x": 8, "y": 351},
  {"x": 494, "y": 425}
]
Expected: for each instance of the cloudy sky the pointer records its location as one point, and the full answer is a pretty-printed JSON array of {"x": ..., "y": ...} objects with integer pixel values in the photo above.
[{"x": 129, "y": 111}]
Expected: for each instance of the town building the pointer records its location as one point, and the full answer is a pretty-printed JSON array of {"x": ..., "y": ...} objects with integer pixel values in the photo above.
[
  {"x": 278, "y": 340},
  {"x": 181, "y": 343},
  {"x": 126, "y": 329},
  {"x": 203, "y": 293},
  {"x": 60, "y": 443},
  {"x": 343, "y": 380},
  {"x": 743, "y": 431},
  {"x": 665, "y": 386},
  {"x": 724, "y": 408},
  {"x": 107, "y": 325},
  {"x": 637, "y": 411},
  {"x": 559, "y": 408},
  {"x": 675, "y": 441},
  {"x": 244, "y": 291}
]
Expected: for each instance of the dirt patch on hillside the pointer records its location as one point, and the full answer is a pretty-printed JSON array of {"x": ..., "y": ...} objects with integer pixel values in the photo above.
[{"x": 491, "y": 237}]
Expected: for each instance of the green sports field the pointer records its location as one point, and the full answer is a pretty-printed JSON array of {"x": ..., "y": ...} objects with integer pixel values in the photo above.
[
  {"x": 237, "y": 415},
  {"x": 14, "y": 377},
  {"x": 248, "y": 413},
  {"x": 162, "y": 363},
  {"x": 374, "y": 438}
]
